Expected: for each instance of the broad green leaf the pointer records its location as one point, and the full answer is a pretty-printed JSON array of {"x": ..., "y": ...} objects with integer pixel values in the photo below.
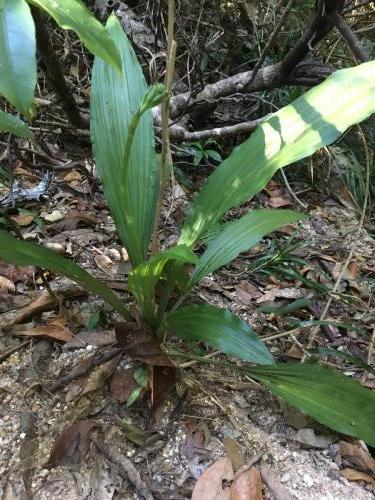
[
  {"x": 238, "y": 236},
  {"x": 313, "y": 120},
  {"x": 73, "y": 14},
  {"x": 143, "y": 279},
  {"x": 17, "y": 55},
  {"x": 14, "y": 125},
  {"x": 115, "y": 99},
  {"x": 220, "y": 329},
  {"x": 25, "y": 253},
  {"x": 333, "y": 399}
]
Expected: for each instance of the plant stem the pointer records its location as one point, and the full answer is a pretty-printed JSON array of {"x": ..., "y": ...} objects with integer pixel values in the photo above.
[
  {"x": 166, "y": 157},
  {"x": 128, "y": 145}
]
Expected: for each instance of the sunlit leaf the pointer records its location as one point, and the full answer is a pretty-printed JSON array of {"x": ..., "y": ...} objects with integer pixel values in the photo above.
[
  {"x": 238, "y": 236},
  {"x": 220, "y": 329},
  {"x": 17, "y": 54},
  {"x": 14, "y": 125},
  {"x": 115, "y": 99},
  {"x": 73, "y": 14},
  {"x": 314, "y": 120},
  {"x": 333, "y": 399},
  {"x": 143, "y": 279},
  {"x": 25, "y": 253}
]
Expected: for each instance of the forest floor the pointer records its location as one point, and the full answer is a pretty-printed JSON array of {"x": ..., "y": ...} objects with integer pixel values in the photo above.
[
  {"x": 65, "y": 430},
  {"x": 214, "y": 412}
]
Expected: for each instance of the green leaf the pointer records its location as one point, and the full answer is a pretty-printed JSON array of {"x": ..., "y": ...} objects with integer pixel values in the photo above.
[
  {"x": 115, "y": 99},
  {"x": 211, "y": 153},
  {"x": 220, "y": 329},
  {"x": 143, "y": 279},
  {"x": 14, "y": 125},
  {"x": 25, "y": 253},
  {"x": 238, "y": 236},
  {"x": 314, "y": 120},
  {"x": 331, "y": 398},
  {"x": 134, "y": 395},
  {"x": 73, "y": 14},
  {"x": 17, "y": 55}
]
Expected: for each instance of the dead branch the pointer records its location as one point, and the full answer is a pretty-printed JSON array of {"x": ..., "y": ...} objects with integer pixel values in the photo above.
[
  {"x": 351, "y": 38},
  {"x": 54, "y": 72},
  {"x": 267, "y": 78},
  {"x": 180, "y": 134},
  {"x": 319, "y": 27}
]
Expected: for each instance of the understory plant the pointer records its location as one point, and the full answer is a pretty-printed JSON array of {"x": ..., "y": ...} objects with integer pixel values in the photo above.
[{"x": 161, "y": 283}]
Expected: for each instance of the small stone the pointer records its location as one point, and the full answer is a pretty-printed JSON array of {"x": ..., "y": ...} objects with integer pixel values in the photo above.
[
  {"x": 230, "y": 432},
  {"x": 309, "y": 481},
  {"x": 113, "y": 254},
  {"x": 241, "y": 401},
  {"x": 285, "y": 478},
  {"x": 56, "y": 247}
]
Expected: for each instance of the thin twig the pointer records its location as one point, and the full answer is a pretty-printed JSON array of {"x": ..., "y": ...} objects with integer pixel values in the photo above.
[{"x": 289, "y": 188}]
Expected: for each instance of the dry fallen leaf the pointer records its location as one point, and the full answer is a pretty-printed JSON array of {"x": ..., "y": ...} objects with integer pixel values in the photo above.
[
  {"x": 54, "y": 332},
  {"x": 73, "y": 220},
  {"x": 44, "y": 302},
  {"x": 16, "y": 273},
  {"x": 95, "y": 337},
  {"x": 354, "y": 454},
  {"x": 276, "y": 488},
  {"x": 122, "y": 384},
  {"x": 281, "y": 293},
  {"x": 247, "y": 485},
  {"x": 72, "y": 175},
  {"x": 72, "y": 445},
  {"x": 162, "y": 381},
  {"x": 214, "y": 483},
  {"x": 357, "y": 475},
  {"x": 23, "y": 219},
  {"x": 6, "y": 286},
  {"x": 139, "y": 344},
  {"x": 235, "y": 453},
  {"x": 247, "y": 292},
  {"x": 278, "y": 202},
  {"x": 99, "y": 376},
  {"x": 308, "y": 439}
]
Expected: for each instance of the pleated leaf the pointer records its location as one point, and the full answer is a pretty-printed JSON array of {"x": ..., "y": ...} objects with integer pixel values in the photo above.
[
  {"x": 17, "y": 54},
  {"x": 73, "y": 14},
  {"x": 14, "y": 125},
  {"x": 314, "y": 120},
  {"x": 115, "y": 99},
  {"x": 143, "y": 279},
  {"x": 220, "y": 329},
  {"x": 333, "y": 399},
  {"x": 238, "y": 236},
  {"x": 25, "y": 253}
]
